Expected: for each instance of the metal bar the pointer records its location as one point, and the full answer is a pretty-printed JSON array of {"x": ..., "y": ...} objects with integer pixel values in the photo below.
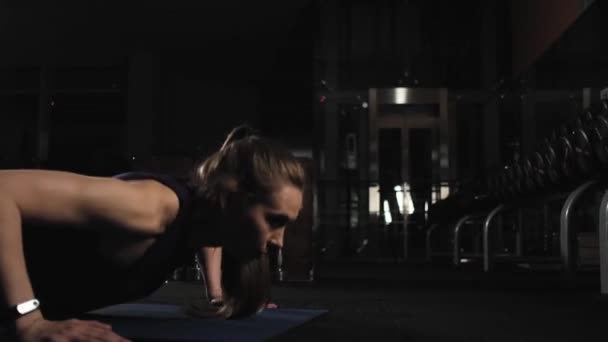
[
  {"x": 429, "y": 250},
  {"x": 487, "y": 246},
  {"x": 403, "y": 95},
  {"x": 603, "y": 237},
  {"x": 279, "y": 267},
  {"x": 406, "y": 238},
  {"x": 457, "y": 228},
  {"x": 567, "y": 236}
]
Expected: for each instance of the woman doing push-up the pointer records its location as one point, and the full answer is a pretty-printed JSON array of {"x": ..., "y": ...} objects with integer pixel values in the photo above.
[{"x": 71, "y": 243}]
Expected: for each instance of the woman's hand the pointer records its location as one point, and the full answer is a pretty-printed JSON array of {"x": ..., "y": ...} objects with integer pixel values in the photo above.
[
  {"x": 271, "y": 306},
  {"x": 69, "y": 330},
  {"x": 215, "y": 297},
  {"x": 209, "y": 309},
  {"x": 202, "y": 309}
]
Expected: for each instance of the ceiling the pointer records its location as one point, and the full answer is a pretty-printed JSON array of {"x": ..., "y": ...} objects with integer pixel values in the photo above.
[{"x": 81, "y": 32}]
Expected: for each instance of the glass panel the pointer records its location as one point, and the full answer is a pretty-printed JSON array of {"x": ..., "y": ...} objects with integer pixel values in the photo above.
[
  {"x": 390, "y": 175},
  {"x": 421, "y": 168}
]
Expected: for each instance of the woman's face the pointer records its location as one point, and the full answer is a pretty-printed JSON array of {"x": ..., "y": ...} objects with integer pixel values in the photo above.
[{"x": 252, "y": 224}]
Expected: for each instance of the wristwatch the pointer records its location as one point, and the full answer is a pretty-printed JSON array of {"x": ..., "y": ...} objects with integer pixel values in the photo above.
[{"x": 22, "y": 309}]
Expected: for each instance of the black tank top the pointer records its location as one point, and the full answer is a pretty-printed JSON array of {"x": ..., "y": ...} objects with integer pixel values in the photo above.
[{"x": 70, "y": 276}]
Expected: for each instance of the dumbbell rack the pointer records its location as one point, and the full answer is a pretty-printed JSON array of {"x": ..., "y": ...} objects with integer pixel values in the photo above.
[{"x": 566, "y": 168}]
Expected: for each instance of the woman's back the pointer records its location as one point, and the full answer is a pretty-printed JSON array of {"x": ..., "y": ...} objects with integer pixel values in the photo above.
[{"x": 72, "y": 271}]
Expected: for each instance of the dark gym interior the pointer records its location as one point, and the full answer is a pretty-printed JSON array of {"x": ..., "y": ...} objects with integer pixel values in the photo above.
[{"x": 455, "y": 150}]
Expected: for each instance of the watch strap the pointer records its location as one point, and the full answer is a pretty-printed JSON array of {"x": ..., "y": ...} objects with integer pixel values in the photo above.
[{"x": 21, "y": 309}]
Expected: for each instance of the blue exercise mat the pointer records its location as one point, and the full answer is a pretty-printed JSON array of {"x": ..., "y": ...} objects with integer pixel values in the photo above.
[{"x": 162, "y": 322}]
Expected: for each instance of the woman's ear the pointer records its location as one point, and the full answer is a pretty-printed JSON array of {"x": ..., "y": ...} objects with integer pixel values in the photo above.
[{"x": 229, "y": 187}]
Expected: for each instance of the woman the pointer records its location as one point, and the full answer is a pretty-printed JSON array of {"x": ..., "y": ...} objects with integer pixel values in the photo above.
[{"x": 76, "y": 243}]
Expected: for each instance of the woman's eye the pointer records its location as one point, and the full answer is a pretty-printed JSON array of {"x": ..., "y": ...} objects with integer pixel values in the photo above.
[{"x": 276, "y": 221}]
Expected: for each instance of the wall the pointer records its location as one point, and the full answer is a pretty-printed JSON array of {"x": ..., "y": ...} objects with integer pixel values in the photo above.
[
  {"x": 193, "y": 69},
  {"x": 536, "y": 24}
]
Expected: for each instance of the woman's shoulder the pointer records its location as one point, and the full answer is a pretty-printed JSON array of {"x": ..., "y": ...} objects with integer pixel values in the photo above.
[{"x": 179, "y": 185}]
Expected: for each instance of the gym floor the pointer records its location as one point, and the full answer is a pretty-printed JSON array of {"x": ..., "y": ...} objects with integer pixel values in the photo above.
[{"x": 434, "y": 302}]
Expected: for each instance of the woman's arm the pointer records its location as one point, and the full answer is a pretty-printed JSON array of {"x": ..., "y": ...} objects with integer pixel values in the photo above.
[
  {"x": 139, "y": 206},
  {"x": 53, "y": 196},
  {"x": 14, "y": 279},
  {"x": 210, "y": 259}
]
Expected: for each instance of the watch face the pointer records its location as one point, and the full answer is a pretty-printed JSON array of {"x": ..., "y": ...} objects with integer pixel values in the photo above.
[{"x": 27, "y": 307}]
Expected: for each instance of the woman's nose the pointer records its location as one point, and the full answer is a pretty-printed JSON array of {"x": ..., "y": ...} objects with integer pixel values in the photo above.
[
  {"x": 276, "y": 238},
  {"x": 276, "y": 242}
]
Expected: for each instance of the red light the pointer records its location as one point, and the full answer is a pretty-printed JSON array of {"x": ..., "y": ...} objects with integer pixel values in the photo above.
[{"x": 323, "y": 99}]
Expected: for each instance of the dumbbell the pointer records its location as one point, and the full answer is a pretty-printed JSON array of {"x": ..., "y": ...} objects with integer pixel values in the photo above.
[
  {"x": 539, "y": 173},
  {"x": 550, "y": 161},
  {"x": 527, "y": 172},
  {"x": 584, "y": 155},
  {"x": 599, "y": 135},
  {"x": 565, "y": 153}
]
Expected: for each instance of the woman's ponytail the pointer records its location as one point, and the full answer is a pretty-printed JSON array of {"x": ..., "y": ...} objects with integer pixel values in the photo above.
[{"x": 239, "y": 133}]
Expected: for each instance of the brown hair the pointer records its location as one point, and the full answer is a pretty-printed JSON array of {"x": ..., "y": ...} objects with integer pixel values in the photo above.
[{"x": 255, "y": 165}]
